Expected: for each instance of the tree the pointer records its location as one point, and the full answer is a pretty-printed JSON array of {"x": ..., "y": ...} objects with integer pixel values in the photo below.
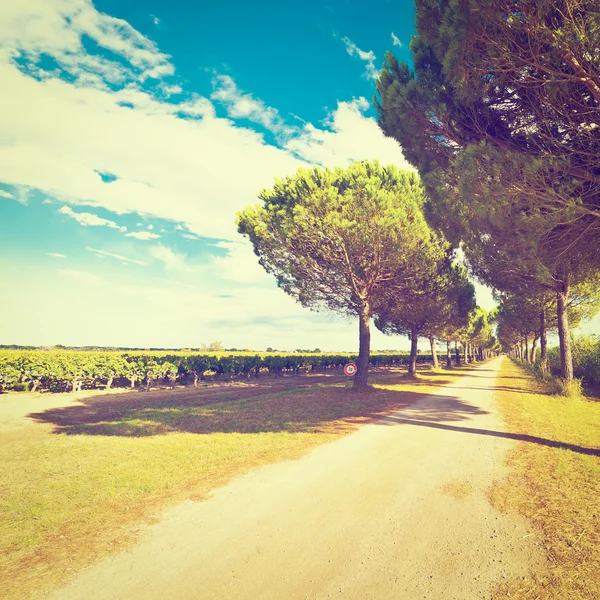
[
  {"x": 503, "y": 129},
  {"x": 435, "y": 306},
  {"x": 338, "y": 238},
  {"x": 454, "y": 316}
]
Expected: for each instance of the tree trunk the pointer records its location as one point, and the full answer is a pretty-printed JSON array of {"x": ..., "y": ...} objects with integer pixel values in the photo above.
[
  {"x": 534, "y": 349},
  {"x": 412, "y": 363},
  {"x": 526, "y": 340},
  {"x": 543, "y": 342},
  {"x": 364, "y": 348},
  {"x": 433, "y": 352},
  {"x": 109, "y": 383},
  {"x": 456, "y": 353},
  {"x": 564, "y": 335},
  {"x": 448, "y": 355}
]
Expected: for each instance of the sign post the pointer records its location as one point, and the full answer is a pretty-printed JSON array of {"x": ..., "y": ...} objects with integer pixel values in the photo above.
[{"x": 350, "y": 371}]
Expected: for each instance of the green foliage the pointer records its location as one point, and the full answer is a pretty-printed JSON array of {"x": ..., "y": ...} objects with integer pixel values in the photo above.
[
  {"x": 500, "y": 117},
  {"x": 335, "y": 238},
  {"x": 586, "y": 359},
  {"x": 69, "y": 370},
  {"x": 441, "y": 304}
]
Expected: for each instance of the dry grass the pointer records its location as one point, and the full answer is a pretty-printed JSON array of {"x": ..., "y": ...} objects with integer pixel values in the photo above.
[
  {"x": 458, "y": 489},
  {"x": 79, "y": 481},
  {"x": 558, "y": 489}
]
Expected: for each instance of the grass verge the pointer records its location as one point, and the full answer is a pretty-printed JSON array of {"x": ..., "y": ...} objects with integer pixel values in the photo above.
[
  {"x": 81, "y": 480},
  {"x": 557, "y": 488}
]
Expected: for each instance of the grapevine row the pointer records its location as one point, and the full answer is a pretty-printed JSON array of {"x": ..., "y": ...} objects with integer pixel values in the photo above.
[{"x": 34, "y": 370}]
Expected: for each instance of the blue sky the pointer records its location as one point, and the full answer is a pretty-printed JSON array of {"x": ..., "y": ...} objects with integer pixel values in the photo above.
[{"x": 132, "y": 133}]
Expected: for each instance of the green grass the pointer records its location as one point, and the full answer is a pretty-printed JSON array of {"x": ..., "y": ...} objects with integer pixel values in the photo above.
[{"x": 557, "y": 488}]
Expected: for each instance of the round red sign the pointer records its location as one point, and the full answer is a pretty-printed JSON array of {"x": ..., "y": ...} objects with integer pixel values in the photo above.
[{"x": 350, "y": 369}]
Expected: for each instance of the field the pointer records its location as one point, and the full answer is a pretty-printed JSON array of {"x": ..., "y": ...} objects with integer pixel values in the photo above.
[{"x": 80, "y": 478}]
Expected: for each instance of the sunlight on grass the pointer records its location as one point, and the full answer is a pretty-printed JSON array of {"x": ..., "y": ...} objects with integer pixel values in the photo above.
[{"x": 557, "y": 488}]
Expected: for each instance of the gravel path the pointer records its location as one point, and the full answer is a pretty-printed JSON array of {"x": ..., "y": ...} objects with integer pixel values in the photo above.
[{"x": 396, "y": 510}]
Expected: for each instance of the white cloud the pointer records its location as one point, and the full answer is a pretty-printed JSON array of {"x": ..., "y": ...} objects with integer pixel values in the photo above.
[
  {"x": 56, "y": 255},
  {"x": 89, "y": 219},
  {"x": 80, "y": 311},
  {"x": 4, "y": 194},
  {"x": 114, "y": 255},
  {"x": 240, "y": 264},
  {"x": 174, "y": 161},
  {"x": 368, "y": 57},
  {"x": 171, "y": 260},
  {"x": 143, "y": 235},
  {"x": 56, "y": 28},
  {"x": 245, "y": 106},
  {"x": 396, "y": 40},
  {"x": 351, "y": 136}
]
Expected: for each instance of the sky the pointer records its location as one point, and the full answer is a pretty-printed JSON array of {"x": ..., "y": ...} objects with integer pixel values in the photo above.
[{"x": 131, "y": 134}]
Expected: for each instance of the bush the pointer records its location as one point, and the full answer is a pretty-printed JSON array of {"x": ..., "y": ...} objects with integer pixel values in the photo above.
[{"x": 586, "y": 359}]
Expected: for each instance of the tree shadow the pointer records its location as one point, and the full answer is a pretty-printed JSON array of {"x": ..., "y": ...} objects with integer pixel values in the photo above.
[
  {"x": 521, "y": 437},
  {"x": 262, "y": 407},
  {"x": 503, "y": 388},
  {"x": 290, "y": 406}
]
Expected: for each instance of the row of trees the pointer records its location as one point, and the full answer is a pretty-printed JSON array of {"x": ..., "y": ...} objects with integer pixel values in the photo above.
[
  {"x": 501, "y": 117},
  {"x": 356, "y": 241}
]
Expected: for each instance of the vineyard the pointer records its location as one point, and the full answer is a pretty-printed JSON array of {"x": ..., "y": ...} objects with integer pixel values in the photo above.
[{"x": 57, "y": 371}]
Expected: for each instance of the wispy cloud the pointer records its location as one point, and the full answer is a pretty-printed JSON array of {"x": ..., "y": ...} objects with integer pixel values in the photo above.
[
  {"x": 89, "y": 219},
  {"x": 56, "y": 255},
  {"x": 115, "y": 256},
  {"x": 241, "y": 105},
  {"x": 396, "y": 40},
  {"x": 4, "y": 194},
  {"x": 143, "y": 235},
  {"x": 368, "y": 57}
]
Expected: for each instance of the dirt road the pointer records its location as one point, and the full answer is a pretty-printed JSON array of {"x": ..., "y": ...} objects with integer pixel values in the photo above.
[{"x": 397, "y": 510}]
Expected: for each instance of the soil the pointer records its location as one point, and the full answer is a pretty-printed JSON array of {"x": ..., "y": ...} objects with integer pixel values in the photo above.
[{"x": 397, "y": 510}]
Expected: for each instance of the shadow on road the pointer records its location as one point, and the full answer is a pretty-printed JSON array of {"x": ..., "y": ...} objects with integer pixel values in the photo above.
[{"x": 394, "y": 420}]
